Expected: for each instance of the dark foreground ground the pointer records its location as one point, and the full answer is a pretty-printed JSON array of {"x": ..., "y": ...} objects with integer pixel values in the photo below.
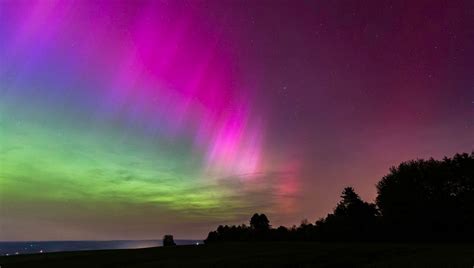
[{"x": 276, "y": 254}]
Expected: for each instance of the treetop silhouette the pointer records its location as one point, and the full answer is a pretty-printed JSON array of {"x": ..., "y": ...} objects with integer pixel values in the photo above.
[{"x": 428, "y": 200}]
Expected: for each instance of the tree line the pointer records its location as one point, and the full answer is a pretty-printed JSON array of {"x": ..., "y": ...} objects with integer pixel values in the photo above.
[{"x": 419, "y": 200}]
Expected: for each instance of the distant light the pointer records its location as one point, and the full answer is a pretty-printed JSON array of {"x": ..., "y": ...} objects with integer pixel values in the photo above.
[
  {"x": 41, "y": 251},
  {"x": 197, "y": 243},
  {"x": 7, "y": 254},
  {"x": 16, "y": 253}
]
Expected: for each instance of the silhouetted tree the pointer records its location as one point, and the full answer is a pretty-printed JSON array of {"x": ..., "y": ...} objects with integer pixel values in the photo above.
[
  {"x": 305, "y": 231},
  {"x": 259, "y": 222},
  {"x": 429, "y": 199},
  {"x": 281, "y": 234},
  {"x": 213, "y": 236},
  {"x": 352, "y": 219},
  {"x": 418, "y": 200}
]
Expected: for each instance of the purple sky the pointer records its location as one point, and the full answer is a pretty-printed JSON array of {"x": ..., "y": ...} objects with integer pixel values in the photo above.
[{"x": 191, "y": 114}]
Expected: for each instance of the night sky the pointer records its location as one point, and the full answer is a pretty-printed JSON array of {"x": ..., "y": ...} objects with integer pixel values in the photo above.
[{"x": 132, "y": 119}]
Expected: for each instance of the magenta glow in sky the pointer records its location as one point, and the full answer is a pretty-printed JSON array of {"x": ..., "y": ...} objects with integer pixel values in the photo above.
[
  {"x": 146, "y": 64},
  {"x": 146, "y": 117}
]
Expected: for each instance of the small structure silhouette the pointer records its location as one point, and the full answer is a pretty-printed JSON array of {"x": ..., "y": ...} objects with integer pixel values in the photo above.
[{"x": 168, "y": 241}]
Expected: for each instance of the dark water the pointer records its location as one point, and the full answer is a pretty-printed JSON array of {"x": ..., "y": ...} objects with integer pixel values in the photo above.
[{"x": 25, "y": 247}]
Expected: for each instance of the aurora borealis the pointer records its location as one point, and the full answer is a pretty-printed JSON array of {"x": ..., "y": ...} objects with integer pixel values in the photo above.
[{"x": 130, "y": 119}]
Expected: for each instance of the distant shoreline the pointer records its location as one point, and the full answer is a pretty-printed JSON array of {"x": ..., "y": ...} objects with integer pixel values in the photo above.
[
  {"x": 8, "y": 248},
  {"x": 274, "y": 254}
]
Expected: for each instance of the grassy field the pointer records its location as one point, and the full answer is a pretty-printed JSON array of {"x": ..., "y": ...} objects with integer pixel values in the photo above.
[{"x": 266, "y": 254}]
